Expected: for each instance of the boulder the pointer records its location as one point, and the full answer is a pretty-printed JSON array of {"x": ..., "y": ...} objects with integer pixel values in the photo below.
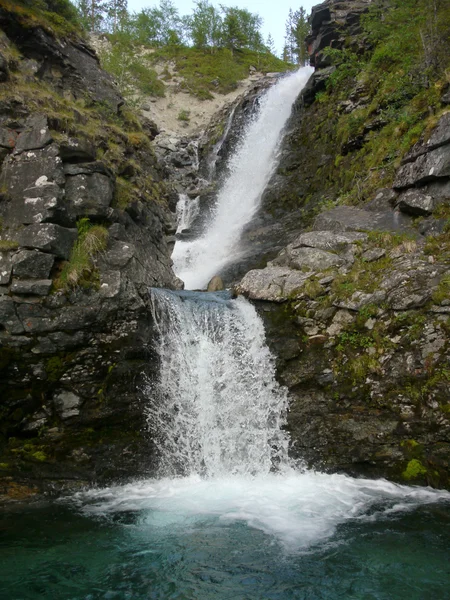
[
  {"x": 67, "y": 404},
  {"x": 347, "y": 218},
  {"x": 35, "y": 136},
  {"x": 32, "y": 169},
  {"x": 48, "y": 238},
  {"x": 89, "y": 195},
  {"x": 40, "y": 204},
  {"x": 414, "y": 202},
  {"x": 328, "y": 240},
  {"x": 215, "y": 285},
  {"x": 427, "y": 167},
  {"x": 7, "y": 138},
  {"x": 313, "y": 259},
  {"x": 275, "y": 284},
  {"x": 9, "y": 320},
  {"x": 32, "y": 263}
]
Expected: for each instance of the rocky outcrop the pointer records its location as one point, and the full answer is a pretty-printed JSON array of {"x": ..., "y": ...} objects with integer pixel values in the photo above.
[
  {"x": 357, "y": 313},
  {"x": 332, "y": 24},
  {"x": 75, "y": 352}
]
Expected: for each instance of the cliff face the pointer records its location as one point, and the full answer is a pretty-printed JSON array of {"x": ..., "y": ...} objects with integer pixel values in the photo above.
[
  {"x": 84, "y": 221},
  {"x": 357, "y": 306}
]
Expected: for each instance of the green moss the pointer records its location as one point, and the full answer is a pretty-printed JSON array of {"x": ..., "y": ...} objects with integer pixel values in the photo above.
[
  {"x": 414, "y": 470},
  {"x": 184, "y": 115},
  {"x": 8, "y": 245},
  {"x": 54, "y": 367}
]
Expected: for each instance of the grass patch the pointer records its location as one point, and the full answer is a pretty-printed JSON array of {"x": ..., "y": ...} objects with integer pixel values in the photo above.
[
  {"x": 80, "y": 269},
  {"x": 204, "y": 72}
]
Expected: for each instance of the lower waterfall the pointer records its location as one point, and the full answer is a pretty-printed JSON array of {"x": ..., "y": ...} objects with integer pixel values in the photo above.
[{"x": 217, "y": 416}]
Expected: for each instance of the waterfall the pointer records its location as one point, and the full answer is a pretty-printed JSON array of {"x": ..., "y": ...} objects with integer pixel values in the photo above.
[
  {"x": 187, "y": 211},
  {"x": 217, "y": 409},
  {"x": 250, "y": 169}
]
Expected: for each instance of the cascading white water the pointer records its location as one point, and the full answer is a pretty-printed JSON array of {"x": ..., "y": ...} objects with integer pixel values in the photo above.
[
  {"x": 217, "y": 408},
  {"x": 216, "y": 414},
  {"x": 251, "y": 167},
  {"x": 187, "y": 211}
]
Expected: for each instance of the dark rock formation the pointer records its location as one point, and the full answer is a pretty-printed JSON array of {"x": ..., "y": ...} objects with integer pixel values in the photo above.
[{"x": 74, "y": 358}]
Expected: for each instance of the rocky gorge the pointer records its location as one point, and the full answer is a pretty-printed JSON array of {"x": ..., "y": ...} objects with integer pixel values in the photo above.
[{"x": 354, "y": 290}]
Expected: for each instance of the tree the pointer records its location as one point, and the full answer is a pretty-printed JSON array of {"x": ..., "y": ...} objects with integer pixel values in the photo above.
[
  {"x": 92, "y": 13},
  {"x": 116, "y": 14},
  {"x": 270, "y": 44},
  {"x": 158, "y": 26},
  {"x": 300, "y": 31},
  {"x": 297, "y": 29},
  {"x": 241, "y": 28},
  {"x": 205, "y": 25}
]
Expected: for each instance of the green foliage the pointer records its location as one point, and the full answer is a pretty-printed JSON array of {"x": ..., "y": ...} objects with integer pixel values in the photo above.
[
  {"x": 59, "y": 16},
  {"x": 184, "y": 115},
  {"x": 80, "y": 269},
  {"x": 131, "y": 68},
  {"x": 203, "y": 72},
  {"x": 414, "y": 470}
]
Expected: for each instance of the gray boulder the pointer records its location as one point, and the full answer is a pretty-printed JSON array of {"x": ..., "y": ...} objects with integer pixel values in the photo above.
[
  {"x": 36, "y": 134},
  {"x": 328, "y": 240},
  {"x": 275, "y": 284},
  {"x": 415, "y": 203},
  {"x": 89, "y": 195},
  {"x": 77, "y": 149},
  {"x": 347, "y": 218},
  {"x": 32, "y": 263},
  {"x": 49, "y": 238},
  {"x": 427, "y": 167}
]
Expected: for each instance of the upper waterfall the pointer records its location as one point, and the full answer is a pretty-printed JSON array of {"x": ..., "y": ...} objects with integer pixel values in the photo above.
[{"x": 250, "y": 169}]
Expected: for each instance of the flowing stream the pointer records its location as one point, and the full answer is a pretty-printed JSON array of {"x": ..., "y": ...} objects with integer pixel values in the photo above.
[{"x": 229, "y": 516}]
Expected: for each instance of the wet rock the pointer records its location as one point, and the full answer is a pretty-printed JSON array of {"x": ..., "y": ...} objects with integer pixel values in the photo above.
[
  {"x": 384, "y": 200},
  {"x": 32, "y": 263},
  {"x": 35, "y": 287},
  {"x": 415, "y": 203},
  {"x": 35, "y": 136},
  {"x": 48, "y": 238},
  {"x": 68, "y": 404},
  {"x": 215, "y": 284}
]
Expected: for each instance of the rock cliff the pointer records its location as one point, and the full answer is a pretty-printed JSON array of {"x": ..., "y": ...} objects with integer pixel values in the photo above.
[{"x": 84, "y": 223}]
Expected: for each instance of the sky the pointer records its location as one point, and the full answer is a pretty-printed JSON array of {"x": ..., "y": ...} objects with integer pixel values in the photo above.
[{"x": 274, "y": 12}]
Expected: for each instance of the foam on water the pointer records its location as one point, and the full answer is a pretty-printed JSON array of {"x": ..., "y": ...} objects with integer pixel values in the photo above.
[
  {"x": 250, "y": 169},
  {"x": 299, "y": 510}
]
